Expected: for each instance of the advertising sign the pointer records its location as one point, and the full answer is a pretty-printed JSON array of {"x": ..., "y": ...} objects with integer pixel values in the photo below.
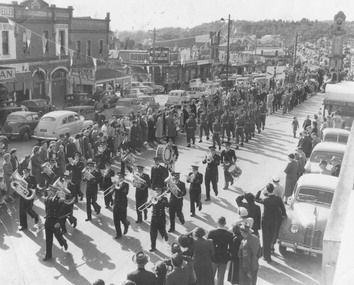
[
  {"x": 162, "y": 54},
  {"x": 7, "y": 74}
]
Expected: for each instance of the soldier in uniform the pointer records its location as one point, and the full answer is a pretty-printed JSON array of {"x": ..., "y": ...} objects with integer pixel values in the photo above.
[
  {"x": 76, "y": 167},
  {"x": 191, "y": 127},
  {"x": 211, "y": 172},
  {"x": 195, "y": 190},
  {"x": 176, "y": 203},
  {"x": 203, "y": 125},
  {"x": 93, "y": 178},
  {"x": 210, "y": 121},
  {"x": 158, "y": 174},
  {"x": 120, "y": 206},
  {"x": 247, "y": 127},
  {"x": 142, "y": 193},
  {"x": 263, "y": 114},
  {"x": 232, "y": 123},
  {"x": 240, "y": 126},
  {"x": 53, "y": 206},
  {"x": 125, "y": 149},
  {"x": 26, "y": 206},
  {"x": 216, "y": 133},
  {"x": 228, "y": 157},
  {"x": 106, "y": 182},
  {"x": 158, "y": 219},
  {"x": 225, "y": 125},
  {"x": 103, "y": 155}
]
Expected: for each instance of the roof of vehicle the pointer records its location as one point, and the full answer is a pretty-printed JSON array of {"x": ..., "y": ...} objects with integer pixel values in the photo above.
[
  {"x": 335, "y": 131},
  {"x": 176, "y": 91},
  {"x": 11, "y": 108},
  {"x": 34, "y": 100},
  {"x": 127, "y": 99},
  {"x": 340, "y": 92},
  {"x": 315, "y": 180},
  {"x": 72, "y": 108},
  {"x": 146, "y": 97},
  {"x": 23, "y": 113},
  {"x": 59, "y": 113},
  {"x": 77, "y": 94},
  {"x": 330, "y": 146}
]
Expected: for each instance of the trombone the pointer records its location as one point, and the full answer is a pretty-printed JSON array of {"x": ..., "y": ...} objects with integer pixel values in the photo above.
[{"x": 152, "y": 201}]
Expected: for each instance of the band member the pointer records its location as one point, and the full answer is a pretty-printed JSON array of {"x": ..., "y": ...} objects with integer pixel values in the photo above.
[
  {"x": 120, "y": 206},
  {"x": 67, "y": 210},
  {"x": 211, "y": 172},
  {"x": 26, "y": 206},
  {"x": 93, "y": 178},
  {"x": 103, "y": 155},
  {"x": 125, "y": 149},
  {"x": 158, "y": 219},
  {"x": 191, "y": 127},
  {"x": 76, "y": 167},
  {"x": 107, "y": 175},
  {"x": 50, "y": 171},
  {"x": 52, "y": 223},
  {"x": 228, "y": 157},
  {"x": 195, "y": 190},
  {"x": 142, "y": 193},
  {"x": 7, "y": 170},
  {"x": 176, "y": 202},
  {"x": 175, "y": 154},
  {"x": 216, "y": 132},
  {"x": 158, "y": 174}
]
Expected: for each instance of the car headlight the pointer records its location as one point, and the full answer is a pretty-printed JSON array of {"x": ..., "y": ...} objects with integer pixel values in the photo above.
[{"x": 294, "y": 229}]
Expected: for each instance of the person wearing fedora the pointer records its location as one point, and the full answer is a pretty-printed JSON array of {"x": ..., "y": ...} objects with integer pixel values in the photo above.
[
  {"x": 141, "y": 276},
  {"x": 120, "y": 202},
  {"x": 249, "y": 253},
  {"x": 26, "y": 206},
  {"x": 211, "y": 172},
  {"x": 195, "y": 190},
  {"x": 92, "y": 178}
]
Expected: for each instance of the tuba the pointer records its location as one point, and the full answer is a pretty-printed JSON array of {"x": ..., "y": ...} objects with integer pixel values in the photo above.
[
  {"x": 20, "y": 185},
  {"x": 173, "y": 188}
]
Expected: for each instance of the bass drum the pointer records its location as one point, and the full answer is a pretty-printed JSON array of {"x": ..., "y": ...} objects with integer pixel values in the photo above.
[
  {"x": 164, "y": 152},
  {"x": 234, "y": 170}
]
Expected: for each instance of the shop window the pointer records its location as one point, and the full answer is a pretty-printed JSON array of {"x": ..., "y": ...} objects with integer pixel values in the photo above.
[
  {"x": 5, "y": 43},
  {"x": 88, "y": 48},
  {"x": 62, "y": 42}
]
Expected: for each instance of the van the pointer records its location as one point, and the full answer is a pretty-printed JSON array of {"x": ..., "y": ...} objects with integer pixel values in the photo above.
[{"x": 335, "y": 135}]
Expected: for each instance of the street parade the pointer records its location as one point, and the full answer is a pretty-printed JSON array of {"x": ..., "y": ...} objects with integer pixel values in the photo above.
[{"x": 224, "y": 175}]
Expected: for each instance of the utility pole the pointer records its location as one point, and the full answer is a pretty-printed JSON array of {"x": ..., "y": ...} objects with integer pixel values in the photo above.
[
  {"x": 295, "y": 49},
  {"x": 228, "y": 55},
  {"x": 153, "y": 57}
]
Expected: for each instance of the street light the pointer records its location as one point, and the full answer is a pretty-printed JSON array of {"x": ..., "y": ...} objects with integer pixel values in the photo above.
[{"x": 227, "y": 53}]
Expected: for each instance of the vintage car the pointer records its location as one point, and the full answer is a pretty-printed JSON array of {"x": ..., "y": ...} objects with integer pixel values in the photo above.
[
  {"x": 77, "y": 99},
  {"x": 4, "y": 144},
  {"x": 157, "y": 89},
  {"x": 52, "y": 124},
  {"x": 307, "y": 214},
  {"x": 20, "y": 124},
  {"x": 134, "y": 93},
  {"x": 124, "y": 107},
  {"x": 37, "y": 105},
  {"x": 88, "y": 112},
  {"x": 6, "y": 110},
  {"x": 149, "y": 102},
  {"x": 197, "y": 92},
  {"x": 335, "y": 135},
  {"x": 177, "y": 97},
  {"x": 143, "y": 88},
  {"x": 325, "y": 151}
]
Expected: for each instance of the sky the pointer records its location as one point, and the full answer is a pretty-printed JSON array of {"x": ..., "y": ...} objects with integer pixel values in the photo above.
[{"x": 133, "y": 15}]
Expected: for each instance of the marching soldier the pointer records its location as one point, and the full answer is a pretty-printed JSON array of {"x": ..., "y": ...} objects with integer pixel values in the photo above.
[
  {"x": 211, "y": 172},
  {"x": 76, "y": 167},
  {"x": 107, "y": 175},
  {"x": 228, "y": 157},
  {"x": 263, "y": 114},
  {"x": 216, "y": 133},
  {"x": 191, "y": 127},
  {"x": 195, "y": 190},
  {"x": 257, "y": 116},
  {"x": 240, "y": 126},
  {"x": 210, "y": 120},
  {"x": 125, "y": 149},
  {"x": 141, "y": 193},
  {"x": 225, "y": 125},
  {"x": 53, "y": 206},
  {"x": 175, "y": 154},
  {"x": 158, "y": 174},
  {"x": 120, "y": 206},
  {"x": 26, "y": 206},
  {"x": 176, "y": 202},
  {"x": 248, "y": 135},
  {"x": 93, "y": 178},
  {"x": 158, "y": 219}
]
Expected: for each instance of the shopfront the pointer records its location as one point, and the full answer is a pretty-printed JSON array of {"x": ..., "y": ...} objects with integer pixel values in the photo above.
[{"x": 59, "y": 86}]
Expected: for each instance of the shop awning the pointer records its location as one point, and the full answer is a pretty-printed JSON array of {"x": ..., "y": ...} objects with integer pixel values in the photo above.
[{"x": 107, "y": 74}]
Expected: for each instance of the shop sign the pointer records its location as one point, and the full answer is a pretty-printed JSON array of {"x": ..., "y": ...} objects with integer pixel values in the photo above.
[
  {"x": 7, "y": 11},
  {"x": 7, "y": 74},
  {"x": 139, "y": 57},
  {"x": 162, "y": 54},
  {"x": 61, "y": 26},
  {"x": 84, "y": 73},
  {"x": 6, "y": 27},
  {"x": 19, "y": 67}
]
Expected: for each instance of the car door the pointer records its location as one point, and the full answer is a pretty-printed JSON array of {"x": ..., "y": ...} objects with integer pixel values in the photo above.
[{"x": 34, "y": 122}]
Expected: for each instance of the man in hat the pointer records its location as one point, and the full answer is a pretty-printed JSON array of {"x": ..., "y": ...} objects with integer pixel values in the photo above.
[
  {"x": 106, "y": 183},
  {"x": 26, "y": 206},
  {"x": 92, "y": 177},
  {"x": 228, "y": 157},
  {"x": 141, "y": 276},
  {"x": 53, "y": 205},
  {"x": 249, "y": 253},
  {"x": 158, "y": 174},
  {"x": 141, "y": 193},
  {"x": 158, "y": 218},
  {"x": 190, "y": 127},
  {"x": 125, "y": 149},
  {"x": 278, "y": 189},
  {"x": 103, "y": 155},
  {"x": 195, "y": 190},
  {"x": 121, "y": 190},
  {"x": 335, "y": 161},
  {"x": 301, "y": 159},
  {"x": 182, "y": 273},
  {"x": 176, "y": 202},
  {"x": 211, "y": 172},
  {"x": 76, "y": 167}
]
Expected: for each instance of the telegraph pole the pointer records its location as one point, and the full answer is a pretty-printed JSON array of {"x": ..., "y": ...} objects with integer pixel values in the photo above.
[{"x": 295, "y": 49}]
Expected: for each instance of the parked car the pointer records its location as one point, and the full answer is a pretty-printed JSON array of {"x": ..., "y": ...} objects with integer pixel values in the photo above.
[
  {"x": 37, "y": 105},
  {"x": 5, "y": 111},
  {"x": 134, "y": 93},
  {"x": 335, "y": 135},
  {"x": 325, "y": 151},
  {"x": 145, "y": 89},
  {"x": 157, "y": 89},
  {"x": 149, "y": 102},
  {"x": 177, "y": 97},
  {"x": 124, "y": 107},
  {"x": 20, "y": 124},
  {"x": 196, "y": 82},
  {"x": 52, "y": 124},
  {"x": 77, "y": 99},
  {"x": 307, "y": 214},
  {"x": 197, "y": 92},
  {"x": 88, "y": 112}
]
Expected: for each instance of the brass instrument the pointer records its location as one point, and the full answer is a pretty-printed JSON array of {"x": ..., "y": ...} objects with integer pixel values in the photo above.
[
  {"x": 138, "y": 182},
  {"x": 152, "y": 201},
  {"x": 87, "y": 174},
  {"x": 63, "y": 191},
  {"x": 209, "y": 158},
  {"x": 191, "y": 178},
  {"x": 19, "y": 184},
  {"x": 116, "y": 185},
  {"x": 47, "y": 169},
  {"x": 173, "y": 188}
]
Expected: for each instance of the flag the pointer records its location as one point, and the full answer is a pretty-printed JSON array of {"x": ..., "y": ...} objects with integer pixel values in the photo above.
[
  {"x": 71, "y": 54},
  {"x": 94, "y": 60},
  {"x": 315, "y": 212},
  {"x": 28, "y": 38},
  {"x": 12, "y": 23},
  {"x": 44, "y": 43},
  {"x": 57, "y": 49}
]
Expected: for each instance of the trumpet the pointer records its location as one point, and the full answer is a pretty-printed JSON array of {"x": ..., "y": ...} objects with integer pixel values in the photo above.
[
  {"x": 111, "y": 188},
  {"x": 47, "y": 169},
  {"x": 63, "y": 191},
  {"x": 87, "y": 174},
  {"x": 20, "y": 185},
  {"x": 152, "y": 201}
]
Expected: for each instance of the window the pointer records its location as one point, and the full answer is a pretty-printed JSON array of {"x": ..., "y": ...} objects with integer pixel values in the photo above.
[
  {"x": 71, "y": 118},
  {"x": 64, "y": 121},
  {"x": 45, "y": 36},
  {"x": 88, "y": 48},
  {"x": 100, "y": 51},
  {"x": 78, "y": 48},
  {"x": 5, "y": 42},
  {"x": 62, "y": 42}
]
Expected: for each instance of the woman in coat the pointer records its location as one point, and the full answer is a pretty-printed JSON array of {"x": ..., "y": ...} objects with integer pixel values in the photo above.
[
  {"x": 203, "y": 251},
  {"x": 233, "y": 276},
  {"x": 291, "y": 171}
]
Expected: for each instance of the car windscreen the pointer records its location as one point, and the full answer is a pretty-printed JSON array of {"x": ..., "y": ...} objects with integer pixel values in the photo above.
[
  {"x": 315, "y": 196},
  {"x": 317, "y": 156},
  {"x": 47, "y": 119},
  {"x": 14, "y": 118}
]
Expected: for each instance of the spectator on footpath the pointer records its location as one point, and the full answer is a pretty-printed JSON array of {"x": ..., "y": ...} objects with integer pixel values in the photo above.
[
  {"x": 295, "y": 125},
  {"x": 233, "y": 276},
  {"x": 291, "y": 171},
  {"x": 254, "y": 211},
  {"x": 278, "y": 189},
  {"x": 307, "y": 122},
  {"x": 141, "y": 276},
  {"x": 160, "y": 271}
]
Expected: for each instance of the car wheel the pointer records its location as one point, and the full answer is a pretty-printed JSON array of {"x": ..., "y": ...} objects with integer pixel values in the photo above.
[
  {"x": 3, "y": 147},
  {"x": 282, "y": 250}
]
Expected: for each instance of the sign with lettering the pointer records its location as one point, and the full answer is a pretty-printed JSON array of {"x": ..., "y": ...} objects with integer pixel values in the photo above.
[
  {"x": 86, "y": 76},
  {"x": 19, "y": 67},
  {"x": 7, "y": 11},
  {"x": 7, "y": 74},
  {"x": 139, "y": 57},
  {"x": 162, "y": 54},
  {"x": 6, "y": 27},
  {"x": 61, "y": 26}
]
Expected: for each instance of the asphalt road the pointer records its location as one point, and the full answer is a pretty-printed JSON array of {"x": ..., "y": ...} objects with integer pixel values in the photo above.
[{"x": 93, "y": 253}]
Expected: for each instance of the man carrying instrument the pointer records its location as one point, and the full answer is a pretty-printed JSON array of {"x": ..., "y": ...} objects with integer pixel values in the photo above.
[
  {"x": 158, "y": 218},
  {"x": 120, "y": 190},
  {"x": 125, "y": 151},
  {"x": 228, "y": 157},
  {"x": 211, "y": 172},
  {"x": 141, "y": 192},
  {"x": 26, "y": 206},
  {"x": 158, "y": 174},
  {"x": 107, "y": 175},
  {"x": 50, "y": 171},
  {"x": 176, "y": 201},
  {"x": 195, "y": 190},
  {"x": 103, "y": 155},
  {"x": 174, "y": 155},
  {"x": 76, "y": 167},
  {"x": 53, "y": 204},
  {"x": 93, "y": 178}
]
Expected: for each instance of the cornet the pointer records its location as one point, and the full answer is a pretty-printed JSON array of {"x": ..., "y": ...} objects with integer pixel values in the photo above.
[{"x": 20, "y": 185}]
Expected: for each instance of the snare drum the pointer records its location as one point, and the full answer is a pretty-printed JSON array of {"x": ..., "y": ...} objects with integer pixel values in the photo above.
[
  {"x": 234, "y": 171},
  {"x": 164, "y": 152}
]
